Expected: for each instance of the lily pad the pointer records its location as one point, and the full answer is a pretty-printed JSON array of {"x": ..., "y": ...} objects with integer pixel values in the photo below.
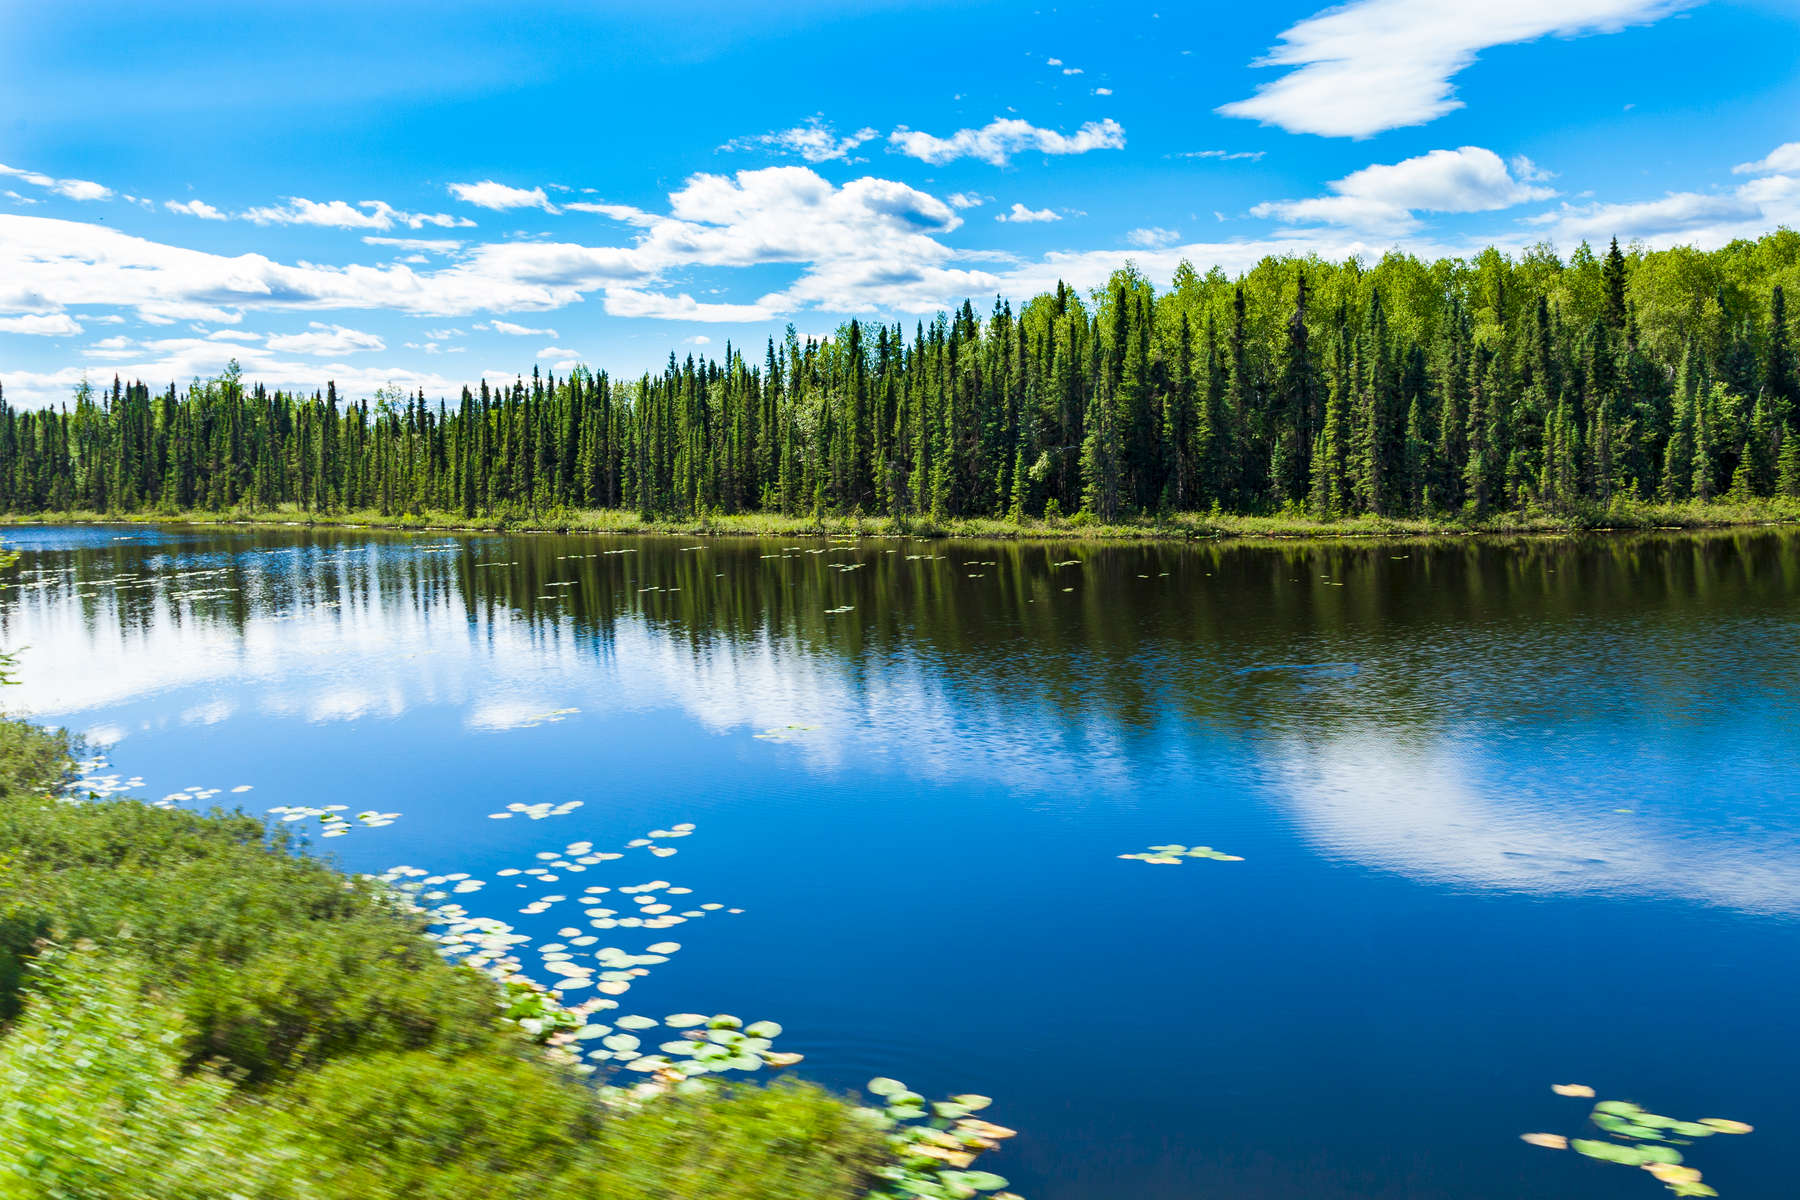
[{"x": 1724, "y": 1125}]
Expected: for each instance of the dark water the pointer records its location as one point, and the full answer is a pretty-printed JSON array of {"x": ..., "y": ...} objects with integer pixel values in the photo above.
[{"x": 1510, "y": 814}]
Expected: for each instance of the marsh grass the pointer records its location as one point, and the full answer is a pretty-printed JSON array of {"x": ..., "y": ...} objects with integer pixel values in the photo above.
[{"x": 1620, "y": 516}]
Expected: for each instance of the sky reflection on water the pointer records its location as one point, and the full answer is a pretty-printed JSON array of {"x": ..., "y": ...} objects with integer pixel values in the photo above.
[{"x": 1522, "y": 811}]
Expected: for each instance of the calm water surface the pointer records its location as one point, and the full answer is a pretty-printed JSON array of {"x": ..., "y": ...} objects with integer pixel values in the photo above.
[{"x": 1511, "y": 815}]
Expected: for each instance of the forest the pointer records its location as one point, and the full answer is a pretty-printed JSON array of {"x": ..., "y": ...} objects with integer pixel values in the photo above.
[{"x": 1451, "y": 388}]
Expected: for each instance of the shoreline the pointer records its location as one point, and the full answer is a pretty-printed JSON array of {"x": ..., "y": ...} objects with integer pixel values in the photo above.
[{"x": 1180, "y": 528}]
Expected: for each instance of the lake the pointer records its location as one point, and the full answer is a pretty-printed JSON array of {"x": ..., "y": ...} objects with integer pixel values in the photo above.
[{"x": 1509, "y": 814}]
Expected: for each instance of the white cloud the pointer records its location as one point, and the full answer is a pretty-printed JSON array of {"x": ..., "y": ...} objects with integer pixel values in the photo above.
[
  {"x": 1073, "y": 71},
  {"x": 619, "y": 212},
  {"x": 554, "y": 352},
  {"x": 1053, "y": 62},
  {"x": 1224, "y": 155},
  {"x": 815, "y": 141},
  {"x": 426, "y": 245},
  {"x": 1020, "y": 215},
  {"x": 324, "y": 341},
  {"x": 699, "y": 339},
  {"x": 498, "y": 196},
  {"x": 631, "y": 302},
  {"x": 194, "y": 208},
  {"x": 1153, "y": 237},
  {"x": 1102, "y": 91},
  {"x": 42, "y": 325},
  {"x": 337, "y": 214},
  {"x": 515, "y": 330},
  {"x": 1526, "y": 171},
  {"x": 1371, "y": 65},
  {"x": 967, "y": 199},
  {"x": 1785, "y": 157},
  {"x": 1704, "y": 219},
  {"x": 1003, "y": 137},
  {"x": 81, "y": 189},
  {"x": 74, "y": 189},
  {"x": 1385, "y": 197}
]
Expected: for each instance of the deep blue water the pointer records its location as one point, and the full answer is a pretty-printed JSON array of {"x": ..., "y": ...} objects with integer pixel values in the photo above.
[{"x": 1511, "y": 814}]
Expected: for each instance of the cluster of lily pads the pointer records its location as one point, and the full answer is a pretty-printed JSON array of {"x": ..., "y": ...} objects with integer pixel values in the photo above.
[
  {"x": 1174, "y": 852},
  {"x": 93, "y": 782},
  {"x": 537, "y": 812},
  {"x": 1638, "y": 1138},
  {"x": 934, "y": 1144},
  {"x": 332, "y": 818},
  {"x": 544, "y": 1011}
]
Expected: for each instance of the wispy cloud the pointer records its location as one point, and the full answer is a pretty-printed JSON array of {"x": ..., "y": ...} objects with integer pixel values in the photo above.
[
  {"x": 339, "y": 214},
  {"x": 1018, "y": 214},
  {"x": 998, "y": 140},
  {"x": 1371, "y": 65},
  {"x": 421, "y": 245},
  {"x": 195, "y": 208},
  {"x": 1785, "y": 157},
  {"x": 1224, "y": 155},
  {"x": 1704, "y": 219},
  {"x": 500, "y": 196},
  {"x": 325, "y": 341},
  {"x": 74, "y": 189},
  {"x": 1153, "y": 237},
  {"x": 815, "y": 141},
  {"x": 516, "y": 330}
]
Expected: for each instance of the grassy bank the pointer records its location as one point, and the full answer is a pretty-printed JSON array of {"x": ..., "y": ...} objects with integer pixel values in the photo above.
[
  {"x": 1175, "y": 527},
  {"x": 191, "y": 1008}
]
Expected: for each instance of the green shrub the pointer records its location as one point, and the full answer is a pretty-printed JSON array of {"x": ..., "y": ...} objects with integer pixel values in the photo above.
[{"x": 196, "y": 1010}]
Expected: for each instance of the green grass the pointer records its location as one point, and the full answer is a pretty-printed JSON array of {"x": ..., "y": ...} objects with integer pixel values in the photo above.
[
  {"x": 191, "y": 1008},
  {"x": 1624, "y": 515}
]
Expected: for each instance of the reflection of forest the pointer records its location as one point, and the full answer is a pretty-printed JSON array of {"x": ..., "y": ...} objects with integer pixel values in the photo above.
[{"x": 1443, "y": 629}]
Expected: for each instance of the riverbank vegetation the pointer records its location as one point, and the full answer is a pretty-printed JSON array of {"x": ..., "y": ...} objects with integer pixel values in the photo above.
[
  {"x": 189, "y": 999},
  {"x": 1531, "y": 390},
  {"x": 1619, "y": 515}
]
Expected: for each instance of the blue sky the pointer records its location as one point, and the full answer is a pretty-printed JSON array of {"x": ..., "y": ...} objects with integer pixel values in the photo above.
[{"x": 423, "y": 194}]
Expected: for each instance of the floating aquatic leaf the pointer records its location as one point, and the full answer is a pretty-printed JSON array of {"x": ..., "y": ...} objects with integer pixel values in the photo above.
[
  {"x": 763, "y": 1029},
  {"x": 1173, "y": 853},
  {"x": 981, "y": 1181},
  {"x": 1572, "y": 1089},
  {"x": 881, "y": 1085},
  {"x": 1724, "y": 1125},
  {"x": 1630, "y": 1156},
  {"x": 1550, "y": 1141}
]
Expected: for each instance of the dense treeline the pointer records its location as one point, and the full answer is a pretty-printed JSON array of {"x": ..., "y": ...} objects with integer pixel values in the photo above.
[{"x": 1411, "y": 387}]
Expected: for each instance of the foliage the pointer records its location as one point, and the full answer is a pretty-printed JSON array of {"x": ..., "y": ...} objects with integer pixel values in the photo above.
[
  {"x": 192, "y": 1001},
  {"x": 1402, "y": 389},
  {"x": 1636, "y": 1137}
]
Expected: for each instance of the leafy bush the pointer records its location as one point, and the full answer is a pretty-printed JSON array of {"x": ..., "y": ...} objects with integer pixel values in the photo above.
[{"x": 196, "y": 1011}]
